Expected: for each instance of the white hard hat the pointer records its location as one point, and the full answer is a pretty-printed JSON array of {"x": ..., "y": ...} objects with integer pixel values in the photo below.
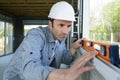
[{"x": 63, "y": 11}]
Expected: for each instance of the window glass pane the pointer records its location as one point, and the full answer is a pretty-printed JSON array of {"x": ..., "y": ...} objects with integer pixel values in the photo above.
[
  {"x": 1, "y": 38},
  {"x": 9, "y": 38},
  {"x": 105, "y": 21}
]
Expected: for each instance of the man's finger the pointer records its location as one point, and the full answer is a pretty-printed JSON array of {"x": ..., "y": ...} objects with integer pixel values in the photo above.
[{"x": 86, "y": 58}]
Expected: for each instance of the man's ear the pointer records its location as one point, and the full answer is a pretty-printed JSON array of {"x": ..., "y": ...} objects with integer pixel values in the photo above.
[{"x": 50, "y": 24}]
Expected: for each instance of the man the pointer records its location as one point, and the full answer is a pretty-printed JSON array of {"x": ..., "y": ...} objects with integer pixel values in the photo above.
[{"x": 43, "y": 50}]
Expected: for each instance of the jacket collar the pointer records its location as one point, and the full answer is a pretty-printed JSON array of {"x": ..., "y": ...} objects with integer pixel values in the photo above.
[{"x": 50, "y": 35}]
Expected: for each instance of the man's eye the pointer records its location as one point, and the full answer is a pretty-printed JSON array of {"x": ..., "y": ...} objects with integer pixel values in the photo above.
[
  {"x": 61, "y": 25},
  {"x": 69, "y": 26}
]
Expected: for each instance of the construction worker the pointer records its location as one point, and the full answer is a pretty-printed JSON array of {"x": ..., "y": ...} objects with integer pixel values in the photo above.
[{"x": 43, "y": 50}]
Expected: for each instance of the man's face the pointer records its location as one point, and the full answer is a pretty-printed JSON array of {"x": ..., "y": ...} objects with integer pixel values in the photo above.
[{"x": 60, "y": 28}]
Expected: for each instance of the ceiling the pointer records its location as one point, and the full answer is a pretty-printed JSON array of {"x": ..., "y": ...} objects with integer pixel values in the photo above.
[{"x": 29, "y": 8}]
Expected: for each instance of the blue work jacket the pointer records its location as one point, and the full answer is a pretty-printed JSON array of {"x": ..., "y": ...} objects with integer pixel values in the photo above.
[{"x": 31, "y": 61}]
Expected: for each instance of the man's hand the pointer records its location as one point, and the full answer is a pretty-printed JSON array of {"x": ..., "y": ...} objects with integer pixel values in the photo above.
[
  {"x": 79, "y": 67},
  {"x": 75, "y": 70},
  {"x": 77, "y": 44}
]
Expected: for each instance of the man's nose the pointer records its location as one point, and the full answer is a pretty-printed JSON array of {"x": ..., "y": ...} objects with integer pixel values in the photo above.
[{"x": 65, "y": 30}]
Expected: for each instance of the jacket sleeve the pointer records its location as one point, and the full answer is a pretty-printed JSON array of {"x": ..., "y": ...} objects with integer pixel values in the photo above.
[{"x": 33, "y": 69}]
